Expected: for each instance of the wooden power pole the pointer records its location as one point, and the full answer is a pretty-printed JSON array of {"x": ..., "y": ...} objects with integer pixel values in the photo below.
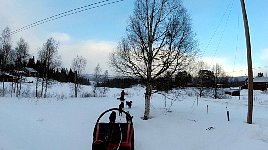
[{"x": 250, "y": 73}]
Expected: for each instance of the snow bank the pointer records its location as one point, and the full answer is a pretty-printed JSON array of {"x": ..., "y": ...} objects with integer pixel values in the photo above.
[{"x": 67, "y": 123}]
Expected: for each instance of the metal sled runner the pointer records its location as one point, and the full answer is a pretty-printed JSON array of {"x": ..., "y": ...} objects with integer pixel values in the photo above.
[{"x": 113, "y": 136}]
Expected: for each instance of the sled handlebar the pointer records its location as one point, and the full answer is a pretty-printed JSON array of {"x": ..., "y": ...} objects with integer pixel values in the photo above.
[{"x": 127, "y": 114}]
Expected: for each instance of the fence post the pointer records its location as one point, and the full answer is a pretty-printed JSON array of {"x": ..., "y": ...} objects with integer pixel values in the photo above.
[
  {"x": 228, "y": 116},
  {"x": 197, "y": 100}
]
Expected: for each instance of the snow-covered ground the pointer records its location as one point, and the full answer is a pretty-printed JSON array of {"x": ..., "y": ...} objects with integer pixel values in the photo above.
[{"x": 64, "y": 123}]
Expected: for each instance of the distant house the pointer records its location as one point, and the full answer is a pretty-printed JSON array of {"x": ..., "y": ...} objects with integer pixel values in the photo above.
[
  {"x": 259, "y": 83},
  {"x": 30, "y": 71},
  {"x": 233, "y": 91},
  {"x": 8, "y": 78}
]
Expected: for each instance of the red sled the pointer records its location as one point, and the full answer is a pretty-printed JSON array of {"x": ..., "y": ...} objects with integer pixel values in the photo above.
[{"x": 113, "y": 136}]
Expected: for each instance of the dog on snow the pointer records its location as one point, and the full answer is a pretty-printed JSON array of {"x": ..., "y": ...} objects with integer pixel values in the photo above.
[
  {"x": 129, "y": 104},
  {"x": 121, "y": 107}
]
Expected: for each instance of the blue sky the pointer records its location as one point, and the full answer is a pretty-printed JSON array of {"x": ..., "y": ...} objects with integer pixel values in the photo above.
[{"x": 94, "y": 33}]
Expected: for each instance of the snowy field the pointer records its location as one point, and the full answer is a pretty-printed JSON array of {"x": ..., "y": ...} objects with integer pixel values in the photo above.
[{"x": 64, "y": 123}]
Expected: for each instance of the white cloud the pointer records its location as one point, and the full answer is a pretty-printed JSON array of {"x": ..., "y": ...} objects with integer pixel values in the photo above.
[
  {"x": 7, "y": 18},
  {"x": 264, "y": 54},
  {"x": 18, "y": 13},
  {"x": 210, "y": 61},
  {"x": 227, "y": 65},
  {"x": 239, "y": 67},
  {"x": 96, "y": 52},
  {"x": 61, "y": 37}
]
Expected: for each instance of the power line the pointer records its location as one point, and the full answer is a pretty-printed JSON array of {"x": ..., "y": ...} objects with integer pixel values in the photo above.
[
  {"x": 67, "y": 13},
  {"x": 237, "y": 37},
  {"x": 219, "y": 24},
  {"x": 224, "y": 28}
]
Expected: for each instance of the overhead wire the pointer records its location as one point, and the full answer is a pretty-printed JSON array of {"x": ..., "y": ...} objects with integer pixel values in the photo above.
[
  {"x": 237, "y": 37},
  {"x": 218, "y": 25},
  {"x": 67, "y": 13},
  {"x": 230, "y": 8}
]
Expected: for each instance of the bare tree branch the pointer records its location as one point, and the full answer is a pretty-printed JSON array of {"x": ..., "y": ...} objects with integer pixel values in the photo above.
[{"x": 159, "y": 40}]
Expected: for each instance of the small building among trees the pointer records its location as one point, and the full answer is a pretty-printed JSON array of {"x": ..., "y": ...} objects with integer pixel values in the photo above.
[
  {"x": 259, "y": 83},
  {"x": 233, "y": 91},
  {"x": 30, "y": 71},
  {"x": 8, "y": 78}
]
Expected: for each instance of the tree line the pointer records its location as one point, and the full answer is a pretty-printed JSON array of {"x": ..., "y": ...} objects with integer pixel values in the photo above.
[
  {"x": 58, "y": 74},
  {"x": 47, "y": 65},
  {"x": 14, "y": 60},
  {"x": 205, "y": 79}
]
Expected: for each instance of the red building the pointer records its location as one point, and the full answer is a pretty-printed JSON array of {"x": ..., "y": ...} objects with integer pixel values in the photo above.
[{"x": 259, "y": 83}]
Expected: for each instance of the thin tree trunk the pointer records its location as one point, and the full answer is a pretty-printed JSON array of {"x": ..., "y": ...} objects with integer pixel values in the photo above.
[
  {"x": 75, "y": 85},
  {"x": 200, "y": 92},
  {"x": 201, "y": 88},
  {"x": 20, "y": 84},
  {"x": 147, "y": 101},
  {"x": 11, "y": 89},
  {"x": 45, "y": 94},
  {"x": 36, "y": 86},
  {"x": 75, "y": 90},
  {"x": 17, "y": 91},
  {"x": 42, "y": 89},
  {"x": 3, "y": 87},
  {"x": 215, "y": 89}
]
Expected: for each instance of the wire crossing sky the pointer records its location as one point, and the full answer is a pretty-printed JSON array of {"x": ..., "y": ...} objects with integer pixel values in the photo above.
[
  {"x": 67, "y": 13},
  {"x": 92, "y": 28}
]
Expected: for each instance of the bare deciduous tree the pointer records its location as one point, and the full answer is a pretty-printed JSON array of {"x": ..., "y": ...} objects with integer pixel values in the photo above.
[
  {"x": 5, "y": 49},
  {"x": 196, "y": 66},
  {"x": 105, "y": 79},
  {"x": 159, "y": 39},
  {"x": 206, "y": 80},
  {"x": 21, "y": 56},
  {"x": 22, "y": 52},
  {"x": 79, "y": 65},
  {"x": 218, "y": 73},
  {"x": 49, "y": 57},
  {"x": 97, "y": 73},
  {"x": 97, "y": 78}
]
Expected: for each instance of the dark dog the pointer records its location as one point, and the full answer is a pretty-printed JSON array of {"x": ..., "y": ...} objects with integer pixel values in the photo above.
[
  {"x": 129, "y": 118},
  {"x": 129, "y": 104},
  {"x": 121, "y": 107},
  {"x": 112, "y": 117}
]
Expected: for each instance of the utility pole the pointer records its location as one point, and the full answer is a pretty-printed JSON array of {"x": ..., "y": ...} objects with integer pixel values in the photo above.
[{"x": 249, "y": 60}]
